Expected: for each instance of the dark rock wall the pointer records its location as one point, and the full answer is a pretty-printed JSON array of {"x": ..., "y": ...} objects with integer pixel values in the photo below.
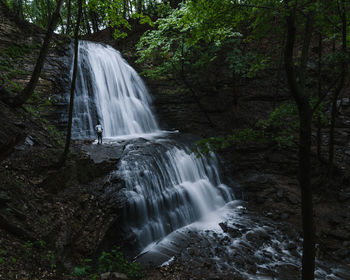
[{"x": 20, "y": 44}]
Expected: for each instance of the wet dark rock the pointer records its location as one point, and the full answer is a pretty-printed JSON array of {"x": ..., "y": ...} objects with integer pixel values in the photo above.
[
  {"x": 284, "y": 216},
  {"x": 28, "y": 141},
  {"x": 344, "y": 196},
  {"x": 342, "y": 273},
  {"x": 288, "y": 272},
  {"x": 19, "y": 124},
  {"x": 257, "y": 237},
  {"x": 4, "y": 199},
  {"x": 293, "y": 199},
  {"x": 233, "y": 232},
  {"x": 291, "y": 246},
  {"x": 280, "y": 193},
  {"x": 343, "y": 253},
  {"x": 260, "y": 200},
  {"x": 341, "y": 234}
]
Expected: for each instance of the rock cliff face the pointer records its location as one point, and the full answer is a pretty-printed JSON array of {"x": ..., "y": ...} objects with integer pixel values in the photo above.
[
  {"x": 20, "y": 43},
  {"x": 44, "y": 209}
]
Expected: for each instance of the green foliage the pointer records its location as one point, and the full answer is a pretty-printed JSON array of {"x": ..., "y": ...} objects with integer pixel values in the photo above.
[
  {"x": 114, "y": 15},
  {"x": 239, "y": 136},
  {"x": 56, "y": 134},
  {"x": 28, "y": 246},
  {"x": 115, "y": 261},
  {"x": 84, "y": 269},
  {"x": 41, "y": 244},
  {"x": 280, "y": 127},
  {"x": 180, "y": 44},
  {"x": 281, "y": 124},
  {"x": 15, "y": 51},
  {"x": 197, "y": 35},
  {"x": 50, "y": 256}
]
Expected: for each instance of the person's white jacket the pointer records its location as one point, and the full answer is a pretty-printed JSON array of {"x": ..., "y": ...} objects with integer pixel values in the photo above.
[{"x": 99, "y": 128}]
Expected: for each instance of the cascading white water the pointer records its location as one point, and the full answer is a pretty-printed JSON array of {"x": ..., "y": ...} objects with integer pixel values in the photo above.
[
  {"x": 110, "y": 91},
  {"x": 166, "y": 187}
]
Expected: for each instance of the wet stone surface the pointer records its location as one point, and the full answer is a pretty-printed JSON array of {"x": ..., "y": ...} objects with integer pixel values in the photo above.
[{"x": 240, "y": 246}]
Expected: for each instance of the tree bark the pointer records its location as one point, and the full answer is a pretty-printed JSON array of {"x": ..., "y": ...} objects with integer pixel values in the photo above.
[
  {"x": 17, "y": 7},
  {"x": 29, "y": 89},
  {"x": 86, "y": 21},
  {"x": 337, "y": 91},
  {"x": 48, "y": 7},
  {"x": 305, "y": 119},
  {"x": 94, "y": 21},
  {"x": 319, "y": 125},
  {"x": 139, "y": 6},
  {"x": 72, "y": 88},
  {"x": 68, "y": 16}
]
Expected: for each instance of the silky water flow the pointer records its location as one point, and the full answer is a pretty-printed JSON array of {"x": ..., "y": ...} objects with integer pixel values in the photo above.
[
  {"x": 166, "y": 188},
  {"x": 170, "y": 192}
]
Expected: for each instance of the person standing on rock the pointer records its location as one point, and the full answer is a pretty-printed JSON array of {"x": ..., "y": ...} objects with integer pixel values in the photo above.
[{"x": 99, "y": 131}]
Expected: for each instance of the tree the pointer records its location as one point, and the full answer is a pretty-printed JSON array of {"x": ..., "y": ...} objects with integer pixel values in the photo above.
[
  {"x": 68, "y": 17},
  {"x": 17, "y": 7},
  {"x": 344, "y": 69},
  {"x": 72, "y": 89},
  {"x": 27, "y": 92},
  {"x": 296, "y": 81}
]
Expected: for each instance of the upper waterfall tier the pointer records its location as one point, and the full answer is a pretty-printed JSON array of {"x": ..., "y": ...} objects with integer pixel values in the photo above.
[{"x": 110, "y": 91}]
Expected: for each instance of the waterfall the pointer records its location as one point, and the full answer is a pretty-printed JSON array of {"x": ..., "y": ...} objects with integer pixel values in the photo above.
[
  {"x": 109, "y": 91},
  {"x": 166, "y": 186}
]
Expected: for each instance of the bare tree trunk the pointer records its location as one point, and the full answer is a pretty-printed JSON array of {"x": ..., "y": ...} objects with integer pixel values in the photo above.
[
  {"x": 29, "y": 89},
  {"x": 124, "y": 8},
  {"x": 319, "y": 124},
  {"x": 69, "y": 6},
  {"x": 139, "y": 6},
  {"x": 278, "y": 78},
  {"x": 94, "y": 21},
  {"x": 48, "y": 7},
  {"x": 175, "y": 3},
  {"x": 86, "y": 21},
  {"x": 72, "y": 88},
  {"x": 305, "y": 114},
  {"x": 17, "y": 7},
  {"x": 337, "y": 92}
]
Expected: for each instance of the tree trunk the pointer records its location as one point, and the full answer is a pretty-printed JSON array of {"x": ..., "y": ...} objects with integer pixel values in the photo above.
[
  {"x": 86, "y": 21},
  {"x": 48, "y": 8},
  {"x": 124, "y": 8},
  {"x": 29, "y": 89},
  {"x": 17, "y": 7},
  {"x": 94, "y": 21},
  {"x": 139, "y": 6},
  {"x": 305, "y": 115},
  {"x": 175, "y": 3},
  {"x": 72, "y": 88},
  {"x": 278, "y": 75},
  {"x": 319, "y": 124},
  {"x": 68, "y": 16},
  {"x": 337, "y": 92}
]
